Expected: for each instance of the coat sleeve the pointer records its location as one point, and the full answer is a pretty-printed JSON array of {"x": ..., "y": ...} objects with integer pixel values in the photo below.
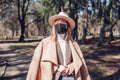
[
  {"x": 83, "y": 70},
  {"x": 34, "y": 68}
]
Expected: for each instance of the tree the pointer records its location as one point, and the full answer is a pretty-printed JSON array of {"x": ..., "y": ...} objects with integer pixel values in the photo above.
[
  {"x": 85, "y": 27},
  {"x": 23, "y": 6},
  {"x": 8, "y": 18}
]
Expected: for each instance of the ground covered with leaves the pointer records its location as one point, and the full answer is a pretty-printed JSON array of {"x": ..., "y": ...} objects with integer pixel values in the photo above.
[{"x": 103, "y": 62}]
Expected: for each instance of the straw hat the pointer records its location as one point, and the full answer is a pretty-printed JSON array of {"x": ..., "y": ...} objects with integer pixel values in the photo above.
[{"x": 63, "y": 16}]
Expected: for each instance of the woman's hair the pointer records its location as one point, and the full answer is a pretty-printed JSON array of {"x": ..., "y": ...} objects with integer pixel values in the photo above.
[{"x": 54, "y": 34}]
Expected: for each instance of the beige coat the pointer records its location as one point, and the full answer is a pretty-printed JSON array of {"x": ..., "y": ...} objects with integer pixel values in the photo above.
[{"x": 45, "y": 61}]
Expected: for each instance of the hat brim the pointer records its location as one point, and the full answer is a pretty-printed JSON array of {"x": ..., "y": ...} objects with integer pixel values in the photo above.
[{"x": 68, "y": 19}]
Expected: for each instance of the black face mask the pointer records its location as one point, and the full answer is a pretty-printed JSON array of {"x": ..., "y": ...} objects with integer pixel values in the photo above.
[{"x": 60, "y": 28}]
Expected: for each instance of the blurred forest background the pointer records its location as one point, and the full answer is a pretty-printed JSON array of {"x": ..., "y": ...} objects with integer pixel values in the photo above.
[
  {"x": 20, "y": 19},
  {"x": 97, "y": 31}
]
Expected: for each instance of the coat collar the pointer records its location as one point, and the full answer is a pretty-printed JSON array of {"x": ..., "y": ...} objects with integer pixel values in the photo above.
[
  {"x": 76, "y": 57},
  {"x": 50, "y": 55}
]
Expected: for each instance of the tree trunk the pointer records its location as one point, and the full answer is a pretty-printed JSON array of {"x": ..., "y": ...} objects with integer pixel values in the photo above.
[
  {"x": 13, "y": 32},
  {"x": 22, "y": 36},
  {"x": 102, "y": 33},
  {"x": 101, "y": 36},
  {"x": 74, "y": 33},
  {"x": 119, "y": 11},
  {"x": 22, "y": 10},
  {"x": 83, "y": 40},
  {"x": 102, "y": 29},
  {"x": 72, "y": 13},
  {"x": 111, "y": 37}
]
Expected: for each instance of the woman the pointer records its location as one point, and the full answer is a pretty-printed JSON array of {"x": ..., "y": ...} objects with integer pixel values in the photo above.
[{"x": 58, "y": 57}]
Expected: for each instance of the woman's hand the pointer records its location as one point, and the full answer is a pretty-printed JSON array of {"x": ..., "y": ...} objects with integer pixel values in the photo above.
[
  {"x": 61, "y": 68},
  {"x": 69, "y": 69}
]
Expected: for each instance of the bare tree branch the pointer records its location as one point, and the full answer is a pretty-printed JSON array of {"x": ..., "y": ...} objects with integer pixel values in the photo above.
[
  {"x": 18, "y": 5},
  {"x": 27, "y": 6}
]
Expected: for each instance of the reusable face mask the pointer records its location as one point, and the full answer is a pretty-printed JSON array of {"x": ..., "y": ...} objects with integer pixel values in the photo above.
[{"x": 60, "y": 28}]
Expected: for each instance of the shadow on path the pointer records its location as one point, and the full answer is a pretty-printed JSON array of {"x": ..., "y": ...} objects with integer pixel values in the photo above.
[
  {"x": 18, "y": 58},
  {"x": 103, "y": 62}
]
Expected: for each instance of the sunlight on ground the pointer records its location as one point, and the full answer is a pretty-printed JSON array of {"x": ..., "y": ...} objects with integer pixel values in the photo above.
[
  {"x": 17, "y": 44},
  {"x": 20, "y": 47},
  {"x": 102, "y": 61}
]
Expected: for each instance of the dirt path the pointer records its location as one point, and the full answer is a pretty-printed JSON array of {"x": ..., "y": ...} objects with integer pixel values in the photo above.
[
  {"x": 103, "y": 62},
  {"x": 18, "y": 57}
]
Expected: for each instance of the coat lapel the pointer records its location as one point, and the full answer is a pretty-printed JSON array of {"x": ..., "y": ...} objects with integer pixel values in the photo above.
[
  {"x": 49, "y": 54},
  {"x": 59, "y": 54},
  {"x": 68, "y": 54},
  {"x": 76, "y": 58}
]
